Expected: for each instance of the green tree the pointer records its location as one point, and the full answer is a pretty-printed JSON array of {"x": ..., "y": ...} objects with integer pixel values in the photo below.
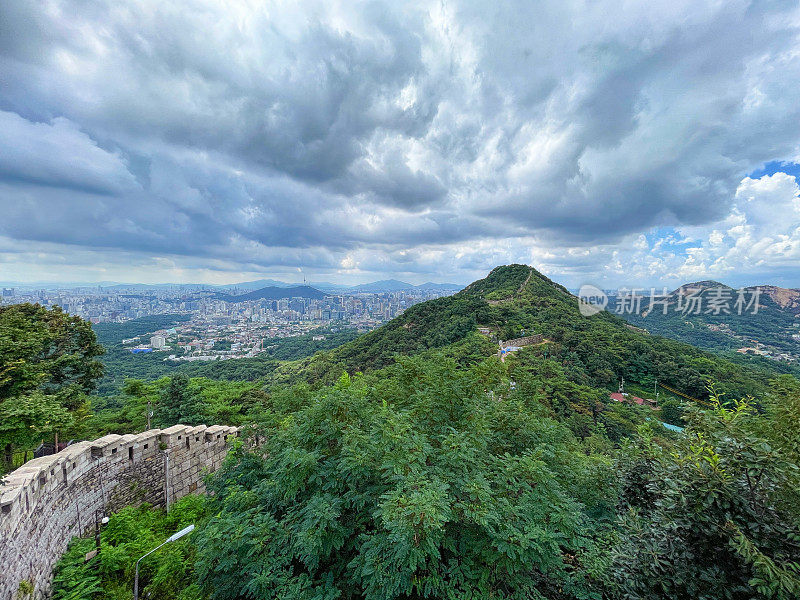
[
  {"x": 180, "y": 403},
  {"x": 47, "y": 367},
  {"x": 417, "y": 484},
  {"x": 783, "y": 415},
  {"x": 716, "y": 518},
  {"x": 672, "y": 412}
]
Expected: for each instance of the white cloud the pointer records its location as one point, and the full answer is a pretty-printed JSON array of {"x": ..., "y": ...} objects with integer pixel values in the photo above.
[
  {"x": 59, "y": 154},
  {"x": 770, "y": 201},
  {"x": 604, "y": 141}
]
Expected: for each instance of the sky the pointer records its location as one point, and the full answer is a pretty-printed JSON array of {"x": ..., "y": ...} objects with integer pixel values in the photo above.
[{"x": 608, "y": 142}]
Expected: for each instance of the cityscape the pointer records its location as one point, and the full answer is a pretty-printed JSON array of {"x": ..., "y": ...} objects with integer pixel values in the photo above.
[{"x": 219, "y": 326}]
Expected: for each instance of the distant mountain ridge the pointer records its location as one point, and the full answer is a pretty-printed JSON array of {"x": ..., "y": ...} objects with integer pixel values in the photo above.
[
  {"x": 254, "y": 285},
  {"x": 274, "y": 293},
  {"x": 768, "y": 329},
  {"x": 784, "y": 298},
  {"x": 688, "y": 288},
  {"x": 386, "y": 285}
]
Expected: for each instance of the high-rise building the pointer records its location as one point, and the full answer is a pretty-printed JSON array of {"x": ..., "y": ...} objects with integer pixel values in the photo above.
[{"x": 157, "y": 342}]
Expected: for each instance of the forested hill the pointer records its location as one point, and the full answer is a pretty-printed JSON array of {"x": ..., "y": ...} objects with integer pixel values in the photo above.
[
  {"x": 110, "y": 334},
  {"x": 712, "y": 319},
  {"x": 517, "y": 300},
  {"x": 442, "y": 475}
]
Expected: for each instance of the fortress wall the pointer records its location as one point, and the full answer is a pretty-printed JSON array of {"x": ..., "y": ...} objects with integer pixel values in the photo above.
[
  {"x": 49, "y": 500},
  {"x": 524, "y": 341}
]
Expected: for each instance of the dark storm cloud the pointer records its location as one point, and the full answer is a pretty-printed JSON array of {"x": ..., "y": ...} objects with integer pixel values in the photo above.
[
  {"x": 58, "y": 155},
  {"x": 277, "y": 134},
  {"x": 296, "y": 102}
]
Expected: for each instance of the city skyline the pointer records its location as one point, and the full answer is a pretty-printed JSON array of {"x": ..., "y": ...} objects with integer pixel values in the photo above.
[
  {"x": 391, "y": 284},
  {"x": 220, "y": 326}
]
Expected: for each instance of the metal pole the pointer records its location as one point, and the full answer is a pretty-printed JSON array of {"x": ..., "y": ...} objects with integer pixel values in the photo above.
[
  {"x": 97, "y": 531},
  {"x": 172, "y": 538},
  {"x": 166, "y": 479},
  {"x": 136, "y": 580}
]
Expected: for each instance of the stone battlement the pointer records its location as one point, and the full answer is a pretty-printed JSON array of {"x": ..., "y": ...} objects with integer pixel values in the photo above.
[
  {"x": 529, "y": 340},
  {"x": 50, "y": 500}
]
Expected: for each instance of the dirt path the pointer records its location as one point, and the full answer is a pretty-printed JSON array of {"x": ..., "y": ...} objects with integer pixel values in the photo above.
[
  {"x": 524, "y": 283},
  {"x": 519, "y": 291}
]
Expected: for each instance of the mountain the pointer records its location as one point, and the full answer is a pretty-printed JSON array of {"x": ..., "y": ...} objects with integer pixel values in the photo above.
[
  {"x": 254, "y": 285},
  {"x": 787, "y": 299},
  {"x": 438, "y": 286},
  {"x": 394, "y": 285},
  {"x": 327, "y": 286},
  {"x": 707, "y": 284},
  {"x": 517, "y": 300},
  {"x": 385, "y": 285},
  {"x": 375, "y": 287},
  {"x": 152, "y": 287},
  {"x": 758, "y": 320},
  {"x": 90, "y": 285},
  {"x": 274, "y": 293}
]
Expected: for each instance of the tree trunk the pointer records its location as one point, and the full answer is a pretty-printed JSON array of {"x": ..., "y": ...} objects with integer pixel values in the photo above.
[{"x": 9, "y": 455}]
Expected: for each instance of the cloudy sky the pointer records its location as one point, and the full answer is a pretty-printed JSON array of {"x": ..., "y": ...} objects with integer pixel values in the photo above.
[{"x": 612, "y": 142}]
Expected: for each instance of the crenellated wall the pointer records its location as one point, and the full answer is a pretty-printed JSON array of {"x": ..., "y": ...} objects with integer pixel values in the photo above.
[
  {"x": 49, "y": 500},
  {"x": 524, "y": 341}
]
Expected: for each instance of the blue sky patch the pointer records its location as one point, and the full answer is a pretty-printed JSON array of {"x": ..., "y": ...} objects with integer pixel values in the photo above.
[{"x": 776, "y": 166}]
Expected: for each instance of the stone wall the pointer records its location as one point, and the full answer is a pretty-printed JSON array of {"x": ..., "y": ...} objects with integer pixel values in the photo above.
[
  {"x": 49, "y": 500},
  {"x": 523, "y": 341}
]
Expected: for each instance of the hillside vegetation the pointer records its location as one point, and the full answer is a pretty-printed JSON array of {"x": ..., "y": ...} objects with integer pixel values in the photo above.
[
  {"x": 429, "y": 480},
  {"x": 515, "y": 300},
  {"x": 412, "y": 463},
  {"x": 770, "y": 325}
]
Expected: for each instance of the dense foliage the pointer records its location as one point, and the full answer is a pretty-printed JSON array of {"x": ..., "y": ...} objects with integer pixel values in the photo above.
[
  {"x": 176, "y": 399},
  {"x": 47, "y": 367},
  {"x": 415, "y": 484},
  {"x": 129, "y": 534},
  {"x": 719, "y": 516},
  {"x": 427, "y": 480}
]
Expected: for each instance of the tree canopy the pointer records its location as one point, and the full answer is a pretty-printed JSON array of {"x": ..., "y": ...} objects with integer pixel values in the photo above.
[
  {"x": 48, "y": 364},
  {"x": 417, "y": 485}
]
